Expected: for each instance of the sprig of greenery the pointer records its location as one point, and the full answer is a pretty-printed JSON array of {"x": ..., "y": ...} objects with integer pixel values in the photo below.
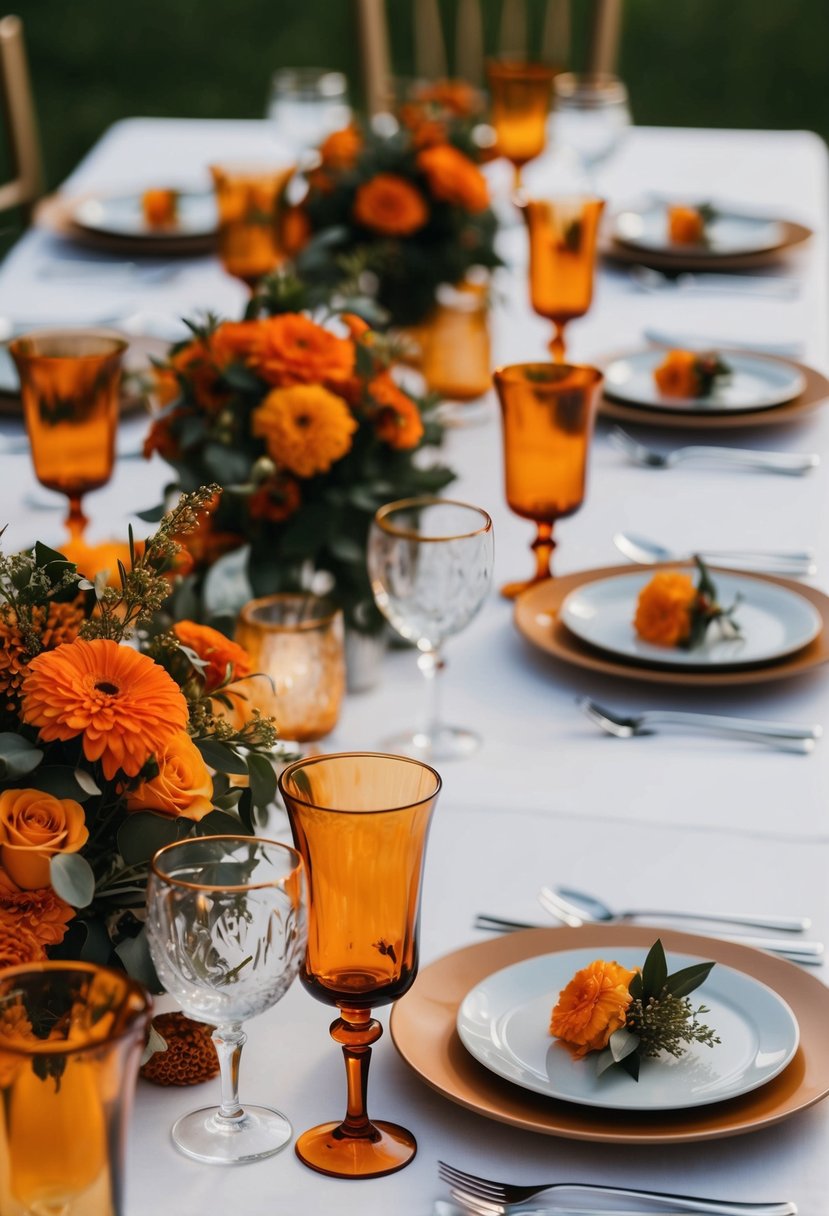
[{"x": 706, "y": 609}]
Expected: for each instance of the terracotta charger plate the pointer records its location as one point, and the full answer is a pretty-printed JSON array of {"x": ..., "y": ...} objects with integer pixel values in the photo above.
[
  {"x": 56, "y": 213},
  {"x": 673, "y": 258},
  {"x": 537, "y": 618},
  {"x": 423, "y": 1029},
  {"x": 815, "y": 393}
]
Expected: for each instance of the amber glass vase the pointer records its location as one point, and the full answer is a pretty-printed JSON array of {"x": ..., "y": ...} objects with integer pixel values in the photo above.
[
  {"x": 360, "y": 821},
  {"x": 69, "y": 383},
  {"x": 249, "y": 200},
  {"x": 548, "y": 411},
  {"x": 520, "y": 101},
  {"x": 563, "y": 234},
  {"x": 71, "y": 1037}
]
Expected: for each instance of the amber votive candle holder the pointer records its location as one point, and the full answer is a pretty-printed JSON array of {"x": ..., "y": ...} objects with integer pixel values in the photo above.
[
  {"x": 455, "y": 345},
  {"x": 520, "y": 95},
  {"x": 296, "y": 645},
  {"x": 249, "y": 200}
]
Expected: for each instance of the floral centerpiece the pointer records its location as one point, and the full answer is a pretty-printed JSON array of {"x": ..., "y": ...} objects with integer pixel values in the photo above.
[
  {"x": 307, "y": 430},
  {"x": 114, "y": 740}
]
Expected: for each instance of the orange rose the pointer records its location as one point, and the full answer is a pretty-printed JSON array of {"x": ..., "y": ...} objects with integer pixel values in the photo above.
[
  {"x": 592, "y": 1006},
  {"x": 183, "y": 787},
  {"x": 217, "y": 651},
  {"x": 390, "y": 205},
  {"x": 397, "y": 420},
  {"x": 340, "y": 149},
  {"x": 39, "y": 911},
  {"x": 663, "y": 609},
  {"x": 34, "y": 827},
  {"x": 292, "y": 349},
  {"x": 678, "y": 374},
  {"x": 275, "y": 500},
  {"x": 453, "y": 178},
  {"x": 686, "y": 226}
]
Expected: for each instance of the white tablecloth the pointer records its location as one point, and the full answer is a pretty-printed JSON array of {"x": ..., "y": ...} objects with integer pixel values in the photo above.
[{"x": 688, "y": 821}]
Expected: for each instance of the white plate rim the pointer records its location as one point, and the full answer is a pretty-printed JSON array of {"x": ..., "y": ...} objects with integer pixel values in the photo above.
[
  {"x": 148, "y": 234},
  {"x": 581, "y": 957},
  {"x": 704, "y": 405}
]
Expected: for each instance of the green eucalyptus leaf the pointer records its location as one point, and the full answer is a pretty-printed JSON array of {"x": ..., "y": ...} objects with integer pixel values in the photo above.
[
  {"x": 635, "y": 986},
  {"x": 61, "y": 781},
  {"x": 17, "y": 756},
  {"x": 51, "y": 561},
  {"x": 682, "y": 982},
  {"x": 86, "y": 782},
  {"x": 220, "y": 823},
  {"x": 262, "y": 779},
  {"x": 244, "y": 810},
  {"x": 604, "y": 1060},
  {"x": 134, "y": 953},
  {"x": 72, "y": 879},
  {"x": 143, "y": 833},
  {"x": 631, "y": 1064},
  {"x": 655, "y": 971},
  {"x": 622, "y": 1043},
  {"x": 221, "y": 757}
]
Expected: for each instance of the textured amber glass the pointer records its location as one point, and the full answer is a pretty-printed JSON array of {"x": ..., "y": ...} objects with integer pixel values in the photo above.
[
  {"x": 520, "y": 100},
  {"x": 563, "y": 234},
  {"x": 360, "y": 821},
  {"x": 69, "y": 382},
  {"x": 548, "y": 411},
  {"x": 71, "y": 1037},
  {"x": 249, "y": 201},
  {"x": 455, "y": 345},
  {"x": 296, "y": 642}
]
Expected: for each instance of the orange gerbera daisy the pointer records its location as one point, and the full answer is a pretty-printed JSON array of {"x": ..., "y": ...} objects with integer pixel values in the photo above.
[
  {"x": 390, "y": 205},
  {"x": 217, "y": 651},
  {"x": 592, "y": 1006},
  {"x": 397, "y": 420},
  {"x": 56, "y": 623},
  {"x": 453, "y": 178},
  {"x": 663, "y": 610},
  {"x": 122, "y": 704},
  {"x": 292, "y": 349},
  {"x": 306, "y": 428},
  {"x": 40, "y": 912}
]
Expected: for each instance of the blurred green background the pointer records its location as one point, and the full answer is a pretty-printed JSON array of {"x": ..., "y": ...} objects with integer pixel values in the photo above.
[{"x": 717, "y": 63}]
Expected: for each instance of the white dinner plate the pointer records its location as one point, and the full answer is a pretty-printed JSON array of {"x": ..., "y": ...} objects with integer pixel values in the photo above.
[
  {"x": 727, "y": 234},
  {"x": 774, "y": 621},
  {"x": 504, "y": 1023},
  {"x": 122, "y": 215},
  {"x": 755, "y": 383}
]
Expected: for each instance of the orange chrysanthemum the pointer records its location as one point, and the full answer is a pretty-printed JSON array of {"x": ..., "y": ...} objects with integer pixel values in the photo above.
[
  {"x": 453, "y": 178},
  {"x": 40, "y": 912},
  {"x": 306, "y": 428},
  {"x": 182, "y": 788},
  {"x": 291, "y": 349},
  {"x": 54, "y": 623},
  {"x": 124, "y": 706},
  {"x": 18, "y": 945},
  {"x": 663, "y": 609},
  {"x": 275, "y": 500},
  {"x": 592, "y": 1006},
  {"x": 390, "y": 205},
  {"x": 225, "y": 660},
  {"x": 397, "y": 420},
  {"x": 340, "y": 149},
  {"x": 678, "y": 374}
]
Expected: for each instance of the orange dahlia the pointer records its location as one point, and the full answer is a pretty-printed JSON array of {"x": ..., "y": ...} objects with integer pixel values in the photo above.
[
  {"x": 292, "y": 349},
  {"x": 397, "y": 420},
  {"x": 40, "y": 912},
  {"x": 306, "y": 428},
  {"x": 663, "y": 609},
  {"x": 122, "y": 704},
  {"x": 390, "y": 205},
  {"x": 225, "y": 660},
  {"x": 592, "y": 1006},
  {"x": 453, "y": 178},
  {"x": 55, "y": 624}
]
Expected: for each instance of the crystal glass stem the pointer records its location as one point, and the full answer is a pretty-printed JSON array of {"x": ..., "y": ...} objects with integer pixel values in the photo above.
[
  {"x": 229, "y": 1041},
  {"x": 432, "y": 665}
]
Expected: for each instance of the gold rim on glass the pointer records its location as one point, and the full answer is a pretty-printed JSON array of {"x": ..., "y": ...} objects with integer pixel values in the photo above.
[
  {"x": 247, "y": 615},
  {"x": 286, "y": 774},
  {"x": 548, "y": 375},
  {"x": 26, "y": 346},
  {"x": 403, "y": 504},
  {"x": 203, "y": 886}
]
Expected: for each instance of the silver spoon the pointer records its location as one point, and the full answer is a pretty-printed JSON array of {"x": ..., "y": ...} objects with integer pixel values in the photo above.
[
  {"x": 649, "y": 552},
  {"x": 792, "y": 463},
  {"x": 703, "y": 342},
  {"x": 598, "y": 910},
  {"x": 657, "y": 283}
]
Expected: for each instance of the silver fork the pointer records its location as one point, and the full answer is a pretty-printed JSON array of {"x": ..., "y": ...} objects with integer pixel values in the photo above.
[
  {"x": 486, "y": 1196},
  {"x": 791, "y": 463},
  {"x": 781, "y": 735}
]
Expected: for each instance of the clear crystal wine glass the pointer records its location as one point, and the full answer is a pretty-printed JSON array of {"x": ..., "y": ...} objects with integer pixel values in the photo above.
[
  {"x": 590, "y": 116},
  {"x": 227, "y": 929},
  {"x": 430, "y": 566}
]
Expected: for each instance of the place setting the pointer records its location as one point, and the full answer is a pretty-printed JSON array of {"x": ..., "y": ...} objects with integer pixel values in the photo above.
[{"x": 161, "y": 220}]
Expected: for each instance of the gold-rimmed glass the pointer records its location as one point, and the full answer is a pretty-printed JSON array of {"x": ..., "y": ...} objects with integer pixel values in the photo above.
[
  {"x": 360, "y": 821},
  {"x": 69, "y": 385},
  {"x": 249, "y": 200},
  {"x": 548, "y": 411},
  {"x": 430, "y": 566},
  {"x": 520, "y": 95},
  {"x": 227, "y": 926},
  {"x": 563, "y": 236}
]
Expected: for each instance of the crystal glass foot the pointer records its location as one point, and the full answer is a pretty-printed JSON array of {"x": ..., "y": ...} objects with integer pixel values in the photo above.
[
  {"x": 430, "y": 566},
  {"x": 226, "y": 926},
  {"x": 360, "y": 821}
]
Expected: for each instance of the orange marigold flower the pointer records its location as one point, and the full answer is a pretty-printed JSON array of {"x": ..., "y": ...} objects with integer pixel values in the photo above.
[
  {"x": 232, "y": 342},
  {"x": 182, "y": 788},
  {"x": 355, "y": 325},
  {"x": 678, "y": 374},
  {"x": 202, "y": 362},
  {"x": 397, "y": 420},
  {"x": 34, "y": 826},
  {"x": 294, "y": 230},
  {"x": 217, "y": 651},
  {"x": 390, "y": 205},
  {"x": 159, "y": 207},
  {"x": 41, "y": 912},
  {"x": 275, "y": 500},
  {"x": 306, "y": 428},
  {"x": 663, "y": 609},
  {"x": 18, "y": 945},
  {"x": 292, "y": 349},
  {"x": 55, "y": 624},
  {"x": 592, "y": 1006},
  {"x": 340, "y": 149},
  {"x": 124, "y": 706},
  {"x": 686, "y": 226},
  {"x": 453, "y": 178}
]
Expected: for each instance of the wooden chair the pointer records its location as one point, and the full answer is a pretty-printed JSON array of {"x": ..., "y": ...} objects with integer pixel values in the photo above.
[{"x": 26, "y": 186}]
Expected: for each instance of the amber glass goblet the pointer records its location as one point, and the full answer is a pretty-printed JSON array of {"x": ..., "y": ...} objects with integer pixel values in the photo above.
[
  {"x": 360, "y": 821},
  {"x": 520, "y": 101},
  {"x": 71, "y": 1036},
  {"x": 563, "y": 235},
  {"x": 69, "y": 383},
  {"x": 548, "y": 411},
  {"x": 249, "y": 201}
]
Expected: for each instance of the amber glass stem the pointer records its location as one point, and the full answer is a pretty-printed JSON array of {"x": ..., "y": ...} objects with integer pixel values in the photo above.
[
  {"x": 355, "y": 1031},
  {"x": 516, "y": 178},
  {"x": 543, "y": 547},
  {"x": 76, "y": 521},
  {"x": 557, "y": 343},
  {"x": 432, "y": 665},
  {"x": 229, "y": 1041}
]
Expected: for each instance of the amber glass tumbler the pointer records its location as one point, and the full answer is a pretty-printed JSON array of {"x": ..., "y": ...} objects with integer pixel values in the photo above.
[
  {"x": 548, "y": 411},
  {"x": 563, "y": 235},
  {"x": 71, "y": 1037},
  {"x": 360, "y": 821},
  {"x": 455, "y": 350},
  {"x": 249, "y": 201},
  {"x": 520, "y": 101},
  {"x": 69, "y": 382}
]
